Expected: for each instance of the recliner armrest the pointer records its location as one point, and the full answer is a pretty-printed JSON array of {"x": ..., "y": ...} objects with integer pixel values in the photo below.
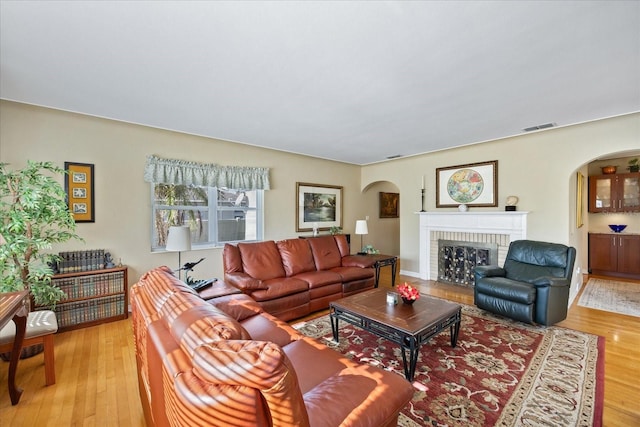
[
  {"x": 489, "y": 271},
  {"x": 550, "y": 281}
]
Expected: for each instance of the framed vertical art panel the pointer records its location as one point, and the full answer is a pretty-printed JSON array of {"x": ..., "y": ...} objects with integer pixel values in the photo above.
[
  {"x": 579, "y": 201},
  {"x": 474, "y": 184},
  {"x": 320, "y": 204},
  {"x": 80, "y": 192},
  {"x": 389, "y": 205}
]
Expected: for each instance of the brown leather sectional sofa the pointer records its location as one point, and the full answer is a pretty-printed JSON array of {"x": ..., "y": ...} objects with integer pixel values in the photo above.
[
  {"x": 294, "y": 277},
  {"x": 228, "y": 363}
]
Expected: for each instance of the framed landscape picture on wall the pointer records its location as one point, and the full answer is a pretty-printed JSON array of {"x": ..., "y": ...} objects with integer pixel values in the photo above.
[
  {"x": 318, "y": 204},
  {"x": 474, "y": 184}
]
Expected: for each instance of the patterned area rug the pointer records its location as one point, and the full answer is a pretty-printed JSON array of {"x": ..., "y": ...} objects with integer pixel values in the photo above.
[
  {"x": 611, "y": 295},
  {"x": 501, "y": 373}
]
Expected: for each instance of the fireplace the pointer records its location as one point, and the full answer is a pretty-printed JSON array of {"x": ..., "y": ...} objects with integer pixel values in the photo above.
[
  {"x": 457, "y": 259},
  {"x": 499, "y": 228}
]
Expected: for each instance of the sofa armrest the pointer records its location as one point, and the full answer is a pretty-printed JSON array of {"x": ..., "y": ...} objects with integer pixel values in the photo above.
[
  {"x": 238, "y": 306},
  {"x": 259, "y": 365},
  {"x": 489, "y": 271},
  {"x": 362, "y": 261},
  {"x": 244, "y": 282}
]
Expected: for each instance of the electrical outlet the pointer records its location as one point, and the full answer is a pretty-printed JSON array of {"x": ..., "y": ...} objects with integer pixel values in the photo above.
[{"x": 367, "y": 217}]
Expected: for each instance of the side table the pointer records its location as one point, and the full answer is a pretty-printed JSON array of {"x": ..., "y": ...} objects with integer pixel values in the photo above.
[
  {"x": 383, "y": 261},
  {"x": 218, "y": 289},
  {"x": 376, "y": 261}
]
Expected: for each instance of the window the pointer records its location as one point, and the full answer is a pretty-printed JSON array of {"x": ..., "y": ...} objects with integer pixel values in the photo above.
[{"x": 214, "y": 215}]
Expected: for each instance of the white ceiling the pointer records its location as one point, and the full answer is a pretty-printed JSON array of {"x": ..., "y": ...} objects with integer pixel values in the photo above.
[{"x": 350, "y": 81}]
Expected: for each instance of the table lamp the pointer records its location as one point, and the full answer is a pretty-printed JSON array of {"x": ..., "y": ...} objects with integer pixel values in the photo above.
[
  {"x": 361, "y": 229},
  {"x": 178, "y": 240}
]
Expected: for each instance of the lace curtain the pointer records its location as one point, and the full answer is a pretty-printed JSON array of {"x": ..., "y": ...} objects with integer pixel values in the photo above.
[{"x": 180, "y": 172}]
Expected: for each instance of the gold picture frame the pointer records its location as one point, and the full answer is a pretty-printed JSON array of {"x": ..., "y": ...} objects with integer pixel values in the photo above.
[
  {"x": 473, "y": 184},
  {"x": 579, "y": 201},
  {"x": 318, "y": 204},
  {"x": 79, "y": 187}
]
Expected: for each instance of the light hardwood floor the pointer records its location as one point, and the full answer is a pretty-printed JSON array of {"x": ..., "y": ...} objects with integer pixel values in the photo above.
[{"x": 96, "y": 374}]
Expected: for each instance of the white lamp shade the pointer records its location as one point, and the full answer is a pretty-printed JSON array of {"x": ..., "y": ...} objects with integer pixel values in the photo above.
[
  {"x": 361, "y": 227},
  {"x": 179, "y": 239}
]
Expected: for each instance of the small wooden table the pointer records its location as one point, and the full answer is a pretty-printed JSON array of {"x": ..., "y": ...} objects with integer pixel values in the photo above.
[
  {"x": 407, "y": 325},
  {"x": 13, "y": 306},
  {"x": 377, "y": 261}
]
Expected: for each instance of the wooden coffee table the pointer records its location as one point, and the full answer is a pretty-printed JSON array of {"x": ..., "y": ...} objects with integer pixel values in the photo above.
[{"x": 407, "y": 325}]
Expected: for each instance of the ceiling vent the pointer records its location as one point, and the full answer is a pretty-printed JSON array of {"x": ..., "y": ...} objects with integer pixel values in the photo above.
[
  {"x": 395, "y": 156},
  {"x": 540, "y": 127}
]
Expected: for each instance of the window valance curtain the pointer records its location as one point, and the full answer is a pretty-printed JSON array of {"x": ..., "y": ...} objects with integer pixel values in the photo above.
[{"x": 181, "y": 172}]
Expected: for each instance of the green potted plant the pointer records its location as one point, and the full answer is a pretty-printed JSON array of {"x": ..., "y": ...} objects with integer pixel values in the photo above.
[
  {"x": 633, "y": 165},
  {"x": 34, "y": 216}
]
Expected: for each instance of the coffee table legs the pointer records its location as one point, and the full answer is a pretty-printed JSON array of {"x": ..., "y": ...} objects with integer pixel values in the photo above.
[
  {"x": 334, "y": 326},
  {"x": 410, "y": 368},
  {"x": 414, "y": 348},
  {"x": 408, "y": 343},
  {"x": 455, "y": 330}
]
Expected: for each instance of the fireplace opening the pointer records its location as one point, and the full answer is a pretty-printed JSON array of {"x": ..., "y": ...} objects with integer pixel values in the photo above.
[{"x": 457, "y": 259}]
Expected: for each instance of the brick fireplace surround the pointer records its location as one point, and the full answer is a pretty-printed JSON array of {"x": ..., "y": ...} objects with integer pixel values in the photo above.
[{"x": 487, "y": 227}]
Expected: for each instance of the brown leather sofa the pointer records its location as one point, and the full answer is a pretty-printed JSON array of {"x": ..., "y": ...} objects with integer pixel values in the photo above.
[
  {"x": 228, "y": 363},
  {"x": 294, "y": 277}
]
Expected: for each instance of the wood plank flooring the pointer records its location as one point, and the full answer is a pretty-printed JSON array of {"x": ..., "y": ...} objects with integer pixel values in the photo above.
[{"x": 97, "y": 386}]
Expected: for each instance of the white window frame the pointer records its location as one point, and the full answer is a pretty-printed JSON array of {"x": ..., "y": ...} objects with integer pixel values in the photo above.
[{"x": 213, "y": 210}]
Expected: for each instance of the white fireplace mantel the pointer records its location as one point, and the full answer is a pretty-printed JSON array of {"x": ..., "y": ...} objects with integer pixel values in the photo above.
[{"x": 513, "y": 224}]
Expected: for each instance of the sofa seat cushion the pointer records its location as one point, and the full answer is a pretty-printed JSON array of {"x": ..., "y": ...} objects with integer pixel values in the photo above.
[
  {"x": 349, "y": 274},
  {"x": 338, "y": 391},
  {"x": 326, "y": 362},
  {"x": 507, "y": 289},
  {"x": 269, "y": 328},
  {"x": 280, "y": 287},
  {"x": 296, "y": 256},
  {"x": 261, "y": 260},
  {"x": 318, "y": 279}
]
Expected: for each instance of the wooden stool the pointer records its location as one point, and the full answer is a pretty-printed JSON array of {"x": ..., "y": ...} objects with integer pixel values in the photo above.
[{"x": 41, "y": 325}]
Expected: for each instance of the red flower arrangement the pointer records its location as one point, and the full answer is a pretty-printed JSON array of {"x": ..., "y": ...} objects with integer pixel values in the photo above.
[{"x": 408, "y": 292}]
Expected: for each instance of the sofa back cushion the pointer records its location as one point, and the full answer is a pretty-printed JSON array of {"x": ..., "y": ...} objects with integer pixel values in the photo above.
[
  {"x": 261, "y": 260},
  {"x": 326, "y": 254},
  {"x": 296, "y": 256},
  {"x": 528, "y": 260},
  {"x": 343, "y": 245},
  {"x": 258, "y": 365},
  {"x": 231, "y": 259}
]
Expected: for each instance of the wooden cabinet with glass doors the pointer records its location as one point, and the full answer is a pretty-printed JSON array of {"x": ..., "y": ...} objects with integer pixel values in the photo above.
[{"x": 614, "y": 193}]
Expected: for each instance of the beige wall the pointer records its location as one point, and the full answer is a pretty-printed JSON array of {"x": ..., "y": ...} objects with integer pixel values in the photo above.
[
  {"x": 539, "y": 168},
  {"x": 118, "y": 151}
]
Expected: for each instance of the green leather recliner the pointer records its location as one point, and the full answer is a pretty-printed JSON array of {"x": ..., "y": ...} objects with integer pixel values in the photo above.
[{"x": 533, "y": 286}]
